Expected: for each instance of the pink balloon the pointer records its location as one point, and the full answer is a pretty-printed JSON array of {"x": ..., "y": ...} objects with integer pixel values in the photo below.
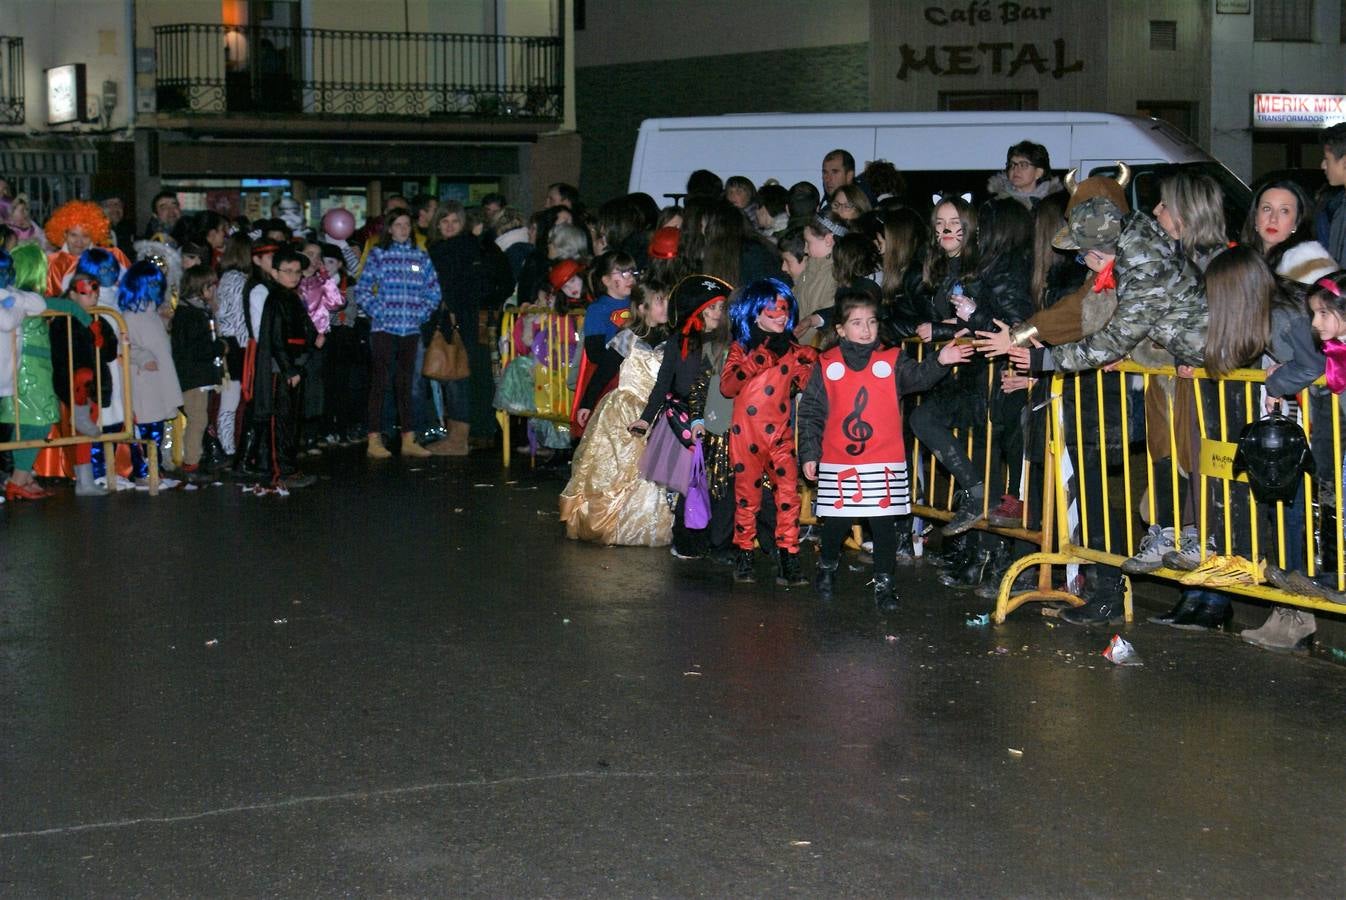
[{"x": 339, "y": 223}]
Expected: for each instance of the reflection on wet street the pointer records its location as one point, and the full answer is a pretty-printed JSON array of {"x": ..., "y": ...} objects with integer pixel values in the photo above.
[{"x": 396, "y": 682}]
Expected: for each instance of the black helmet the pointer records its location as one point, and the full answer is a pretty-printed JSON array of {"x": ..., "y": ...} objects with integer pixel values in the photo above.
[{"x": 1275, "y": 454}]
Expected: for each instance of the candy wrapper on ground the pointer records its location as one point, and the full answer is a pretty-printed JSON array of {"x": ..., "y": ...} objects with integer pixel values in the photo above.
[{"x": 1120, "y": 652}]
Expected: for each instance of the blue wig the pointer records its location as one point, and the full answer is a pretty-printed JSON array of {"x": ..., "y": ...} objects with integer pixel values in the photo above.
[
  {"x": 142, "y": 288},
  {"x": 754, "y": 298},
  {"x": 6, "y": 269},
  {"x": 100, "y": 265}
]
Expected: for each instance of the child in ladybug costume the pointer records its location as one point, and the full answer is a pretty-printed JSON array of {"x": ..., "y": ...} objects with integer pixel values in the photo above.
[
  {"x": 850, "y": 436},
  {"x": 765, "y": 368}
]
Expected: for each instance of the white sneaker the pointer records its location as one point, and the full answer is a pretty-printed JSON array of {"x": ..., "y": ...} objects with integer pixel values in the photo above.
[{"x": 1156, "y": 542}]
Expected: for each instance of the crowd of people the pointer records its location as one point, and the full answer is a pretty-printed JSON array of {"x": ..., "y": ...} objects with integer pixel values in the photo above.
[
  {"x": 757, "y": 312},
  {"x": 731, "y": 343}
]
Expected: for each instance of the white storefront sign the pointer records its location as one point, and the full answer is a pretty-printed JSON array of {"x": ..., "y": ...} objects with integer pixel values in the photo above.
[{"x": 1298, "y": 110}]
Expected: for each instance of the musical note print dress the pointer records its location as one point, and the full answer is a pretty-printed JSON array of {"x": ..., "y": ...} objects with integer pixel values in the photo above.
[{"x": 863, "y": 470}]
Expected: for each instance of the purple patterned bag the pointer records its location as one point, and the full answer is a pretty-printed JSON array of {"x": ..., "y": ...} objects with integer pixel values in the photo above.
[{"x": 696, "y": 512}]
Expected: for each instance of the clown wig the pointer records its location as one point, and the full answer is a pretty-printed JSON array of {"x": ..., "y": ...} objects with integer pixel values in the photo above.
[
  {"x": 78, "y": 214},
  {"x": 754, "y": 298},
  {"x": 30, "y": 268},
  {"x": 100, "y": 265},
  {"x": 6, "y": 269},
  {"x": 142, "y": 288}
]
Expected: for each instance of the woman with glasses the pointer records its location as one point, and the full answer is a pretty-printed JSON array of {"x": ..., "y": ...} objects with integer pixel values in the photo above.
[
  {"x": 1027, "y": 176},
  {"x": 849, "y": 203}
]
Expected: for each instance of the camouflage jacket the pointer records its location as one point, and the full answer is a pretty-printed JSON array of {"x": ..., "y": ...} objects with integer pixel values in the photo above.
[{"x": 1160, "y": 296}]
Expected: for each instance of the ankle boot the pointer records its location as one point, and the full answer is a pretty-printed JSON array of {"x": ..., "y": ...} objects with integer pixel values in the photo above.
[
  {"x": 1106, "y": 604},
  {"x": 885, "y": 597},
  {"x": 1188, "y": 603},
  {"x": 973, "y": 572},
  {"x": 825, "y": 579},
  {"x": 906, "y": 555},
  {"x": 969, "y": 511},
  {"x": 1287, "y": 630},
  {"x": 1212, "y": 613},
  {"x": 455, "y": 444},
  {"x": 376, "y": 450},
  {"x": 787, "y": 569},
  {"x": 743, "y": 567},
  {"x": 84, "y": 483},
  {"x": 954, "y": 552},
  {"x": 411, "y": 449}
]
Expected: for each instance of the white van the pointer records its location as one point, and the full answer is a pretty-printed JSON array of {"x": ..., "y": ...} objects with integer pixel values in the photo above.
[{"x": 937, "y": 152}]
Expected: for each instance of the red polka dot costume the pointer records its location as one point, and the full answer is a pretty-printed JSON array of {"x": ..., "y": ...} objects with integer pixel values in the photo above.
[{"x": 761, "y": 383}]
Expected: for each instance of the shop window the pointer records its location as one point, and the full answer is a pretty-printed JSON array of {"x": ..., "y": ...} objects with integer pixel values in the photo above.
[
  {"x": 977, "y": 101},
  {"x": 1283, "y": 20},
  {"x": 1178, "y": 113},
  {"x": 1163, "y": 34}
]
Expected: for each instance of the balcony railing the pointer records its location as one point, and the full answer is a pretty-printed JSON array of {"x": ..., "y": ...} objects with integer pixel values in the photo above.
[
  {"x": 223, "y": 69},
  {"x": 11, "y": 80}
]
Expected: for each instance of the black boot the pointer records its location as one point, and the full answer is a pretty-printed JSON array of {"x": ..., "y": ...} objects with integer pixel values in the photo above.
[
  {"x": 954, "y": 552},
  {"x": 787, "y": 569},
  {"x": 1213, "y": 612},
  {"x": 1001, "y": 559},
  {"x": 1106, "y": 604},
  {"x": 1188, "y": 602},
  {"x": 885, "y": 597},
  {"x": 743, "y": 567},
  {"x": 969, "y": 511},
  {"x": 1327, "y": 546},
  {"x": 905, "y": 554},
  {"x": 974, "y": 572},
  {"x": 825, "y": 578}
]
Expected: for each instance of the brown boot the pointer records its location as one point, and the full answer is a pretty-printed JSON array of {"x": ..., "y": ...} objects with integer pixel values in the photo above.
[
  {"x": 455, "y": 444},
  {"x": 410, "y": 448},
  {"x": 376, "y": 450}
]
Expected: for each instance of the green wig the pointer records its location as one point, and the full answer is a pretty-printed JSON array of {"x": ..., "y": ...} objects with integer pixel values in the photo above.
[{"x": 30, "y": 268}]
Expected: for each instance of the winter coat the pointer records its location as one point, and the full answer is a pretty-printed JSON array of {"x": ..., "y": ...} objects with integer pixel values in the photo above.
[
  {"x": 322, "y": 296},
  {"x": 398, "y": 288},
  {"x": 197, "y": 355},
  {"x": 230, "y": 298},
  {"x": 1160, "y": 295},
  {"x": 155, "y": 394},
  {"x": 816, "y": 289},
  {"x": 457, "y": 262},
  {"x": 999, "y": 186}
]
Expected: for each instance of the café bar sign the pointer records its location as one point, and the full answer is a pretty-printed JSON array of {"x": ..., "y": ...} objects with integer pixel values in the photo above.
[{"x": 1298, "y": 110}]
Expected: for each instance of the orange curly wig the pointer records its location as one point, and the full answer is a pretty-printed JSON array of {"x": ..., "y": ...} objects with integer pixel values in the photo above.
[{"x": 78, "y": 214}]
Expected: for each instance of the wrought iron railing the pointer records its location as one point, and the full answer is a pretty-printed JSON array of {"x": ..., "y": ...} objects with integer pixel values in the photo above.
[
  {"x": 222, "y": 69},
  {"x": 11, "y": 80}
]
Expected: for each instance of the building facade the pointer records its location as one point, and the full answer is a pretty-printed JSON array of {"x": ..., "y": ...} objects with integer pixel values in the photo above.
[
  {"x": 1193, "y": 63},
  {"x": 233, "y": 103}
]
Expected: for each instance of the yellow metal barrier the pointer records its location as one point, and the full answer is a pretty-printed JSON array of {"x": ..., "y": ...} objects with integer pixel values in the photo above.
[
  {"x": 126, "y": 435},
  {"x": 932, "y": 498},
  {"x": 553, "y": 341},
  {"x": 1111, "y": 497}
]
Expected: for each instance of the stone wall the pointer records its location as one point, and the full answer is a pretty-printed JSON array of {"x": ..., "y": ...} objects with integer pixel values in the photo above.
[{"x": 613, "y": 100}]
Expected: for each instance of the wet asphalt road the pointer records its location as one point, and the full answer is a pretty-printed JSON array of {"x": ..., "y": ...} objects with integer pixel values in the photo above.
[{"x": 362, "y": 690}]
